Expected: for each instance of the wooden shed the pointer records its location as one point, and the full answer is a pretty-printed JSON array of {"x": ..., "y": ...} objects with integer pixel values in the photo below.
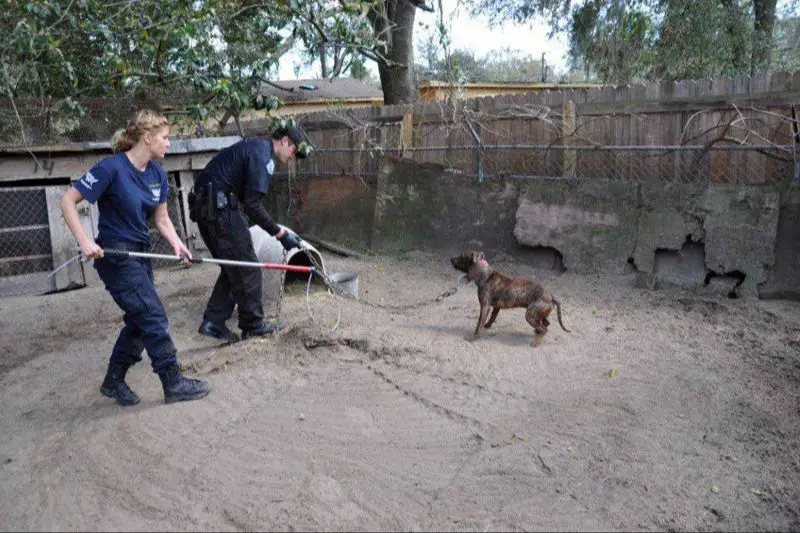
[{"x": 34, "y": 239}]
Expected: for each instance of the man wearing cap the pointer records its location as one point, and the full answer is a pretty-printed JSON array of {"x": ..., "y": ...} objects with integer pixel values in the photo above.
[{"x": 240, "y": 174}]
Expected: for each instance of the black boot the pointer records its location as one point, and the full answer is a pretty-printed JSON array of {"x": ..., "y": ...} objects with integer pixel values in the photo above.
[
  {"x": 262, "y": 330},
  {"x": 210, "y": 329},
  {"x": 114, "y": 386},
  {"x": 178, "y": 388}
]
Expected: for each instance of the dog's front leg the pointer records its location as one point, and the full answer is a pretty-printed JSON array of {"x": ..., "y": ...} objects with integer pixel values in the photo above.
[
  {"x": 482, "y": 315},
  {"x": 492, "y": 318}
]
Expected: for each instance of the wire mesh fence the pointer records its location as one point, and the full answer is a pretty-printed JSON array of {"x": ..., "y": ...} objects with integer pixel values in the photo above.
[
  {"x": 33, "y": 233},
  {"x": 25, "y": 244},
  {"x": 739, "y": 164}
]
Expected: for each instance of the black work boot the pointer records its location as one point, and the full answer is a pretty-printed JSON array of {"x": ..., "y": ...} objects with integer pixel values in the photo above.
[
  {"x": 178, "y": 388},
  {"x": 262, "y": 330},
  {"x": 210, "y": 329},
  {"x": 114, "y": 386}
]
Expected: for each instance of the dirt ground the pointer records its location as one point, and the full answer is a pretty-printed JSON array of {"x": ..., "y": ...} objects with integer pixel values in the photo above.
[{"x": 662, "y": 410}]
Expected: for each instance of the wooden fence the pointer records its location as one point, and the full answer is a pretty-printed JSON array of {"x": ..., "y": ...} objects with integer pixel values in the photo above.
[{"x": 731, "y": 130}]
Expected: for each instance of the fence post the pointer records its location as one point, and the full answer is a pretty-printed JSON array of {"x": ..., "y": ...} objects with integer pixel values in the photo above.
[
  {"x": 475, "y": 130},
  {"x": 568, "y": 139},
  {"x": 407, "y": 132},
  {"x": 358, "y": 148}
]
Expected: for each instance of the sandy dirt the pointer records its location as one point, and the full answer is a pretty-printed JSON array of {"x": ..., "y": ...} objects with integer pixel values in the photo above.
[{"x": 398, "y": 422}]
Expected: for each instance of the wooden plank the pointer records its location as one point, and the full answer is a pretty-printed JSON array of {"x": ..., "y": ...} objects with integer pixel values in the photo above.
[
  {"x": 90, "y": 216},
  {"x": 191, "y": 231},
  {"x": 407, "y": 132},
  {"x": 358, "y": 150},
  {"x": 23, "y": 228},
  {"x": 701, "y": 103},
  {"x": 179, "y": 162},
  {"x": 73, "y": 166},
  {"x": 24, "y": 258},
  {"x": 62, "y": 242},
  {"x": 198, "y": 162},
  {"x": 568, "y": 127}
]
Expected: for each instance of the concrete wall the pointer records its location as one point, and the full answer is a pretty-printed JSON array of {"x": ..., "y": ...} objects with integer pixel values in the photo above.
[
  {"x": 592, "y": 223},
  {"x": 421, "y": 205},
  {"x": 338, "y": 209},
  {"x": 673, "y": 234},
  {"x": 741, "y": 226},
  {"x": 784, "y": 278}
]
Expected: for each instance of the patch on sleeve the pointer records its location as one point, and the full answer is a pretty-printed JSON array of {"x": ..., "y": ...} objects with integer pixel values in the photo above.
[
  {"x": 271, "y": 167},
  {"x": 88, "y": 180}
]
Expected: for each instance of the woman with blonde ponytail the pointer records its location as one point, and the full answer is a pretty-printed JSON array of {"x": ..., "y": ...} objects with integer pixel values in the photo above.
[{"x": 129, "y": 188}]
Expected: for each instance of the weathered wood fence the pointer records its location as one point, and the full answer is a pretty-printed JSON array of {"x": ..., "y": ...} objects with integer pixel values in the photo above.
[{"x": 731, "y": 130}]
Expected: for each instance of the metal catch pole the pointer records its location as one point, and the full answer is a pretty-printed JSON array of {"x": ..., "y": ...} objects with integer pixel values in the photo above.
[{"x": 228, "y": 262}]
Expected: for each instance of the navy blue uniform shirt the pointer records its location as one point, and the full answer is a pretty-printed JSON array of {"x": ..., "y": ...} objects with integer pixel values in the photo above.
[
  {"x": 126, "y": 197},
  {"x": 244, "y": 166}
]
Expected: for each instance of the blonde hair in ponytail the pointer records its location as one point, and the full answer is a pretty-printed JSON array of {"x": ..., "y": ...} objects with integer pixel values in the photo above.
[{"x": 141, "y": 122}]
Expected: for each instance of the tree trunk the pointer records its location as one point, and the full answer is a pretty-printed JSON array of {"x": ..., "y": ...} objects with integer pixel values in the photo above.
[
  {"x": 323, "y": 60},
  {"x": 395, "y": 25},
  {"x": 764, "y": 25}
]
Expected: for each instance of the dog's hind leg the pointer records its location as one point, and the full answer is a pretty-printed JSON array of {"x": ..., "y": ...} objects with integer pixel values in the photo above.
[
  {"x": 536, "y": 316},
  {"x": 492, "y": 318}
]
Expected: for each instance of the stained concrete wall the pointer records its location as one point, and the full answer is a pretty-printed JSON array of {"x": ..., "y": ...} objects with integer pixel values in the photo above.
[
  {"x": 598, "y": 225},
  {"x": 592, "y": 223},
  {"x": 741, "y": 226},
  {"x": 337, "y": 209},
  {"x": 784, "y": 278},
  {"x": 676, "y": 234},
  {"x": 669, "y": 233},
  {"x": 669, "y": 215},
  {"x": 422, "y": 205}
]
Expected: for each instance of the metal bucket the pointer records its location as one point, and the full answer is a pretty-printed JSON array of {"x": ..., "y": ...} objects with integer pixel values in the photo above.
[{"x": 346, "y": 282}]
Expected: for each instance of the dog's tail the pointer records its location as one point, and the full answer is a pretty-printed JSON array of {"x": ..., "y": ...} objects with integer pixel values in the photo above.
[{"x": 558, "y": 313}]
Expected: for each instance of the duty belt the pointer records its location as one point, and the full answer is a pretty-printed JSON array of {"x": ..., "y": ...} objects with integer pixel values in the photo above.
[{"x": 209, "y": 200}]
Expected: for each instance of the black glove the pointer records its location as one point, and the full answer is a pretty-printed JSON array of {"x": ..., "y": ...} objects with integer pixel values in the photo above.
[{"x": 289, "y": 240}]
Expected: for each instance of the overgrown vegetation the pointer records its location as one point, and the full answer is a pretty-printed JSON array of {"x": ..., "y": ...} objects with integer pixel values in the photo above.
[{"x": 622, "y": 41}]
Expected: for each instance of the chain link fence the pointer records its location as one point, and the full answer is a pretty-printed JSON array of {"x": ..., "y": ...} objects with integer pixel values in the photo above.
[
  {"x": 25, "y": 243},
  {"x": 739, "y": 164}
]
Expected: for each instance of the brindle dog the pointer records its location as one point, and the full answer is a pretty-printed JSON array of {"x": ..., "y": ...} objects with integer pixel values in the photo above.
[{"x": 497, "y": 291}]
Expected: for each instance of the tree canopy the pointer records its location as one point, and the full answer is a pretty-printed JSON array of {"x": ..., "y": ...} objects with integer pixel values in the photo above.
[
  {"x": 209, "y": 54},
  {"x": 501, "y": 65},
  {"x": 633, "y": 40}
]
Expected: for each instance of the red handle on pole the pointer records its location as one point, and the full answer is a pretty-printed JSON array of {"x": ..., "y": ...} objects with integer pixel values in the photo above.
[{"x": 290, "y": 268}]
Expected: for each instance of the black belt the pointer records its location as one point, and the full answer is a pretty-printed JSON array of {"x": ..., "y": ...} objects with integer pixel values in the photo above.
[
  {"x": 229, "y": 199},
  {"x": 125, "y": 245}
]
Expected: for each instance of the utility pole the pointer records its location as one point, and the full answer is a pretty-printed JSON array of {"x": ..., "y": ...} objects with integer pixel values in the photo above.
[{"x": 544, "y": 69}]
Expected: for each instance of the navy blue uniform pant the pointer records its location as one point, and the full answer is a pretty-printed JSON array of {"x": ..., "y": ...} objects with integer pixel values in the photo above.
[
  {"x": 228, "y": 237},
  {"x": 129, "y": 280}
]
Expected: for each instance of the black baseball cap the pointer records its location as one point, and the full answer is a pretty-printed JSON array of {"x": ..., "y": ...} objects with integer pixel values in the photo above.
[{"x": 296, "y": 134}]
